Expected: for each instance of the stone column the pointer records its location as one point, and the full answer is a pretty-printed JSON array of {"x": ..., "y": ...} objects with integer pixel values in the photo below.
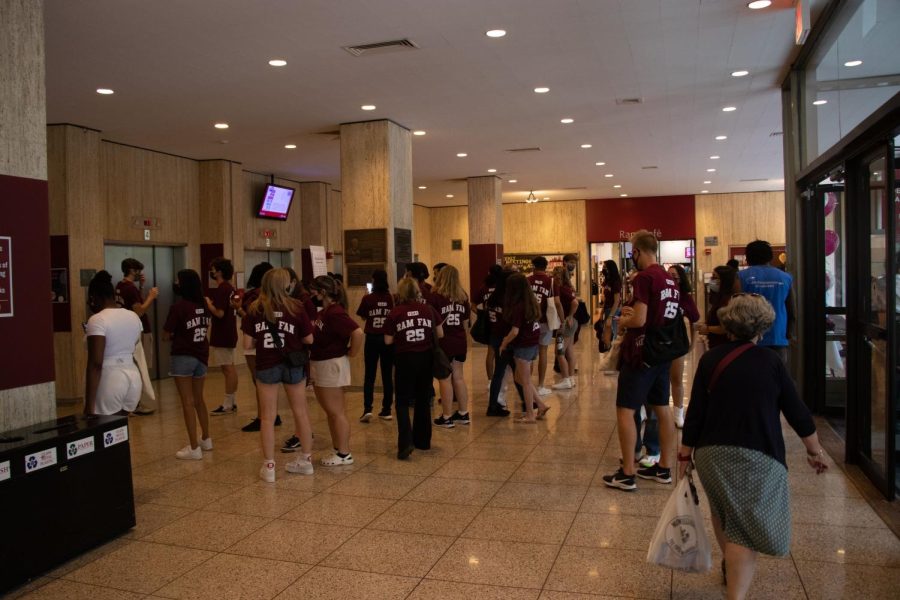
[
  {"x": 376, "y": 194},
  {"x": 27, "y": 388},
  {"x": 485, "y": 227},
  {"x": 218, "y": 235}
]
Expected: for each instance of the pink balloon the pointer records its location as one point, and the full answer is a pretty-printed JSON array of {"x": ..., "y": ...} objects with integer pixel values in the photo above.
[
  {"x": 830, "y": 202},
  {"x": 832, "y": 241}
]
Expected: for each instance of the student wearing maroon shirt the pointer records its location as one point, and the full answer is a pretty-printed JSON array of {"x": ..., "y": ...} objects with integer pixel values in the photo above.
[
  {"x": 499, "y": 329},
  {"x": 274, "y": 312},
  {"x": 566, "y": 335},
  {"x": 223, "y": 338},
  {"x": 544, "y": 289},
  {"x": 335, "y": 337},
  {"x": 410, "y": 328},
  {"x": 676, "y": 373},
  {"x": 522, "y": 312},
  {"x": 374, "y": 309},
  {"x": 480, "y": 303},
  {"x": 451, "y": 302},
  {"x": 187, "y": 326},
  {"x": 129, "y": 295},
  {"x": 654, "y": 302}
]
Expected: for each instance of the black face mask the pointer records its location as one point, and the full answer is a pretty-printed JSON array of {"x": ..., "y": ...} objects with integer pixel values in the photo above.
[{"x": 176, "y": 288}]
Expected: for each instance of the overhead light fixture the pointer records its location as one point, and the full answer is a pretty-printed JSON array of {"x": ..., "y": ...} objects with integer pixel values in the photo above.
[
  {"x": 819, "y": 102},
  {"x": 617, "y": 186},
  {"x": 623, "y": 195},
  {"x": 608, "y": 175},
  {"x": 567, "y": 120},
  {"x": 758, "y": 4},
  {"x": 541, "y": 90},
  {"x": 496, "y": 33},
  {"x": 221, "y": 125},
  {"x": 719, "y": 138},
  {"x": 449, "y": 195},
  {"x": 707, "y": 182},
  {"x": 492, "y": 170},
  {"x": 290, "y": 146},
  {"x": 461, "y": 155},
  {"x": 277, "y": 62},
  {"x": 704, "y": 191},
  {"x": 368, "y": 107},
  {"x": 531, "y": 198},
  {"x": 423, "y": 187},
  {"x": 105, "y": 91},
  {"x": 710, "y": 170},
  {"x": 600, "y": 164},
  {"x": 852, "y": 63},
  {"x": 418, "y": 132},
  {"x": 729, "y": 109},
  {"x": 513, "y": 181},
  {"x": 740, "y": 73},
  {"x": 714, "y": 157},
  {"x": 586, "y": 146}
]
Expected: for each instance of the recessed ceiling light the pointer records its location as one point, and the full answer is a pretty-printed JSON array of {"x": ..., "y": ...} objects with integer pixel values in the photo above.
[
  {"x": 492, "y": 170},
  {"x": 719, "y": 138},
  {"x": 368, "y": 107},
  {"x": 714, "y": 157},
  {"x": 105, "y": 91},
  {"x": 514, "y": 181},
  {"x": 704, "y": 191},
  {"x": 758, "y": 4},
  {"x": 567, "y": 120},
  {"x": 710, "y": 170},
  {"x": 541, "y": 90},
  {"x": 740, "y": 73},
  {"x": 617, "y": 186},
  {"x": 277, "y": 62},
  {"x": 290, "y": 146},
  {"x": 852, "y": 63},
  {"x": 449, "y": 195},
  {"x": 600, "y": 164},
  {"x": 546, "y": 197},
  {"x": 623, "y": 195},
  {"x": 496, "y": 33},
  {"x": 423, "y": 187},
  {"x": 586, "y": 146},
  {"x": 729, "y": 109},
  {"x": 707, "y": 182},
  {"x": 418, "y": 132},
  {"x": 461, "y": 155},
  {"x": 608, "y": 175},
  {"x": 221, "y": 125},
  {"x": 819, "y": 102}
]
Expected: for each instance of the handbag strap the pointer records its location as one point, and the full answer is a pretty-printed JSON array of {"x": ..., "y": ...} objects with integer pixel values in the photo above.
[
  {"x": 276, "y": 339},
  {"x": 723, "y": 364}
]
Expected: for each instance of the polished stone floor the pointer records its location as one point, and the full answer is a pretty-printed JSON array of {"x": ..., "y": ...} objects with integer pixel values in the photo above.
[{"x": 493, "y": 510}]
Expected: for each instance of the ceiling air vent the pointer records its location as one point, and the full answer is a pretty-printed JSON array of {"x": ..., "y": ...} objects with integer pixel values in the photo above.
[
  {"x": 381, "y": 47},
  {"x": 649, "y": 167},
  {"x": 532, "y": 149},
  {"x": 575, "y": 188},
  {"x": 750, "y": 180},
  {"x": 776, "y": 133},
  {"x": 629, "y": 100}
]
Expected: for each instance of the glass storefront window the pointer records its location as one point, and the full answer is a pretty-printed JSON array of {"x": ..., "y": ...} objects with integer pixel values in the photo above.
[{"x": 855, "y": 69}]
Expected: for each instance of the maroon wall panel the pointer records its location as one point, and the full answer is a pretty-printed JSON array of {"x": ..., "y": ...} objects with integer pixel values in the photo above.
[
  {"x": 481, "y": 257},
  {"x": 613, "y": 219},
  {"x": 26, "y": 351},
  {"x": 306, "y": 270}
]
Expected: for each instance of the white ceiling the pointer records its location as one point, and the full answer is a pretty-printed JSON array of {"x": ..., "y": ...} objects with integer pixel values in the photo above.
[{"x": 179, "y": 66}]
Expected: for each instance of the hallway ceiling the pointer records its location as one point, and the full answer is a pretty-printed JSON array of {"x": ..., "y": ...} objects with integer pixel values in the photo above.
[{"x": 179, "y": 67}]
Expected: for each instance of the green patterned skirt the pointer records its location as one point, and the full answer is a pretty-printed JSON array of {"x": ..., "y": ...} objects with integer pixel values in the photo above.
[{"x": 748, "y": 492}]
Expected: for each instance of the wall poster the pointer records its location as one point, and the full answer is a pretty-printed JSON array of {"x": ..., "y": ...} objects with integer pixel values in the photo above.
[{"x": 523, "y": 263}]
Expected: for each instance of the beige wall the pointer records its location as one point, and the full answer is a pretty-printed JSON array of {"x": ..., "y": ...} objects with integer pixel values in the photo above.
[{"x": 422, "y": 234}]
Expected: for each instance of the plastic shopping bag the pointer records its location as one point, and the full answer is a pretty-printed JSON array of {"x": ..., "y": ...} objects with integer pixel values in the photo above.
[
  {"x": 680, "y": 540},
  {"x": 610, "y": 360}
]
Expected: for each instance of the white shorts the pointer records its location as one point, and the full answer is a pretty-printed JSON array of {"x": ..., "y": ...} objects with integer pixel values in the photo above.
[
  {"x": 120, "y": 387},
  {"x": 221, "y": 356},
  {"x": 331, "y": 373}
]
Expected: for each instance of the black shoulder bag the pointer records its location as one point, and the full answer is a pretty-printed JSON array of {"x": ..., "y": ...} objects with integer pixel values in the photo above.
[
  {"x": 294, "y": 359},
  {"x": 481, "y": 329},
  {"x": 666, "y": 343}
]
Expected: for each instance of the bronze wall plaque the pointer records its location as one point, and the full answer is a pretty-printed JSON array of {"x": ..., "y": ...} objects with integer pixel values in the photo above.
[
  {"x": 365, "y": 246},
  {"x": 403, "y": 245},
  {"x": 359, "y": 274}
]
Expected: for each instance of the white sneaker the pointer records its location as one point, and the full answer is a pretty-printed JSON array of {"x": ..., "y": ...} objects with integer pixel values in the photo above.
[
  {"x": 188, "y": 453},
  {"x": 679, "y": 416},
  {"x": 206, "y": 444},
  {"x": 544, "y": 391},
  {"x": 267, "y": 471},
  {"x": 573, "y": 381},
  {"x": 565, "y": 384},
  {"x": 501, "y": 397},
  {"x": 336, "y": 461},
  {"x": 648, "y": 460},
  {"x": 302, "y": 465}
]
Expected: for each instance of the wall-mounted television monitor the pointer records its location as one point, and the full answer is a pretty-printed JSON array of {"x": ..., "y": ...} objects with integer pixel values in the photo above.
[{"x": 276, "y": 203}]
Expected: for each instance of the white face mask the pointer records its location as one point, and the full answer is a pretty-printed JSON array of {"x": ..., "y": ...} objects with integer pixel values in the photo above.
[{"x": 714, "y": 285}]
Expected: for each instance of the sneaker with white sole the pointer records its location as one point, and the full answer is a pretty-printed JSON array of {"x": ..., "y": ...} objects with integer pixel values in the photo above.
[
  {"x": 648, "y": 460},
  {"x": 336, "y": 460},
  {"x": 267, "y": 471},
  {"x": 678, "y": 413},
  {"x": 385, "y": 414},
  {"x": 302, "y": 464},
  {"x": 656, "y": 473},
  {"x": 366, "y": 417},
  {"x": 188, "y": 453},
  {"x": 620, "y": 481},
  {"x": 223, "y": 411},
  {"x": 206, "y": 445},
  {"x": 565, "y": 384},
  {"x": 292, "y": 444},
  {"x": 445, "y": 422},
  {"x": 460, "y": 418},
  {"x": 544, "y": 391}
]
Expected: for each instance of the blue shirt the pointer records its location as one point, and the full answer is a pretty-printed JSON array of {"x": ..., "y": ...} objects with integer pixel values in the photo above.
[{"x": 774, "y": 285}]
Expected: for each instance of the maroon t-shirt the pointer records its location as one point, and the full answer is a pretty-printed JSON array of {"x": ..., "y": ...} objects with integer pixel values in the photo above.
[
  {"x": 543, "y": 288},
  {"x": 127, "y": 295},
  {"x": 658, "y": 291},
  {"x": 529, "y": 331},
  {"x": 290, "y": 328},
  {"x": 499, "y": 326},
  {"x": 566, "y": 296},
  {"x": 188, "y": 323},
  {"x": 374, "y": 308},
  {"x": 308, "y": 306},
  {"x": 224, "y": 330},
  {"x": 609, "y": 294},
  {"x": 451, "y": 315},
  {"x": 412, "y": 326},
  {"x": 690, "y": 308},
  {"x": 331, "y": 333}
]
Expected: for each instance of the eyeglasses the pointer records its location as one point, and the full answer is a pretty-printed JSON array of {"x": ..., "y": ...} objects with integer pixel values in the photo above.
[{"x": 751, "y": 294}]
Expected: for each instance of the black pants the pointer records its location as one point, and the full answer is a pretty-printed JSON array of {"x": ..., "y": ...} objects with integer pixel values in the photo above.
[
  {"x": 413, "y": 373},
  {"x": 501, "y": 362},
  {"x": 376, "y": 350}
]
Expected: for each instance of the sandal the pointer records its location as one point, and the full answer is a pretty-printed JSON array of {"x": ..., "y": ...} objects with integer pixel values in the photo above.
[{"x": 542, "y": 411}]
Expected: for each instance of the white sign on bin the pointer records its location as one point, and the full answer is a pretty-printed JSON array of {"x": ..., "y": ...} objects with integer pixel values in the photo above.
[
  {"x": 39, "y": 460},
  {"x": 4, "y": 470},
  {"x": 80, "y": 447},
  {"x": 115, "y": 436}
]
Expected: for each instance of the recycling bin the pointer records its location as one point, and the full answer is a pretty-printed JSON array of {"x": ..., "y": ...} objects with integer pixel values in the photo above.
[{"x": 65, "y": 487}]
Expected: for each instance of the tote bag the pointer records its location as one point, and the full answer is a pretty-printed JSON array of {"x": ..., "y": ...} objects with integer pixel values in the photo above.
[{"x": 680, "y": 540}]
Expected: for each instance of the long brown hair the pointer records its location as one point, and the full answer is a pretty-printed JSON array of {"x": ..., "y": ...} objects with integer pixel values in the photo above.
[
  {"x": 273, "y": 295},
  {"x": 518, "y": 292},
  {"x": 332, "y": 288},
  {"x": 446, "y": 283}
]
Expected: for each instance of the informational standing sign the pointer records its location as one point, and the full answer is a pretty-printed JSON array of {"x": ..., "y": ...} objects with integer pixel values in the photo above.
[
  {"x": 319, "y": 262},
  {"x": 6, "y": 277}
]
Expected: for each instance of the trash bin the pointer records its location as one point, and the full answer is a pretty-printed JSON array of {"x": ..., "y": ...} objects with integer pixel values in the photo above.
[{"x": 65, "y": 487}]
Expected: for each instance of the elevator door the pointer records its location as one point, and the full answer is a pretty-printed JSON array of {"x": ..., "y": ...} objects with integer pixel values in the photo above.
[
  {"x": 161, "y": 264},
  {"x": 276, "y": 258}
]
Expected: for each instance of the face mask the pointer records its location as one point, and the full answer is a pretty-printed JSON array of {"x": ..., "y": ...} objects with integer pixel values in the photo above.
[
  {"x": 634, "y": 259},
  {"x": 176, "y": 288},
  {"x": 714, "y": 286},
  {"x": 570, "y": 267}
]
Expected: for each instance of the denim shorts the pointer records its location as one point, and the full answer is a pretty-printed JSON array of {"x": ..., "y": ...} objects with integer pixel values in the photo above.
[
  {"x": 184, "y": 365},
  {"x": 528, "y": 353},
  {"x": 281, "y": 374}
]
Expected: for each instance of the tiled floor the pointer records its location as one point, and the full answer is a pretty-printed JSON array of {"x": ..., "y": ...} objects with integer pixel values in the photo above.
[{"x": 494, "y": 510}]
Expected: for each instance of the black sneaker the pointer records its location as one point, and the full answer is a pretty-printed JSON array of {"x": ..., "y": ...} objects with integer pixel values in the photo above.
[
  {"x": 223, "y": 411},
  {"x": 497, "y": 411},
  {"x": 620, "y": 480},
  {"x": 462, "y": 419},
  {"x": 251, "y": 426},
  {"x": 385, "y": 414},
  {"x": 444, "y": 422},
  {"x": 292, "y": 444},
  {"x": 656, "y": 473}
]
